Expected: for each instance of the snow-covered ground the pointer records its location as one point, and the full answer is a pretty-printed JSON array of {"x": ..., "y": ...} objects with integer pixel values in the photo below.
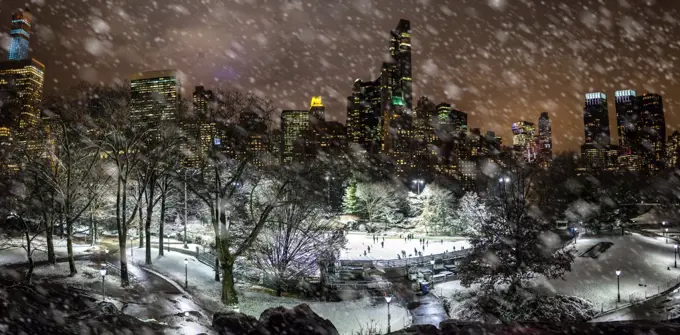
[
  {"x": 358, "y": 243},
  {"x": 347, "y": 316},
  {"x": 17, "y": 254},
  {"x": 642, "y": 261},
  {"x": 447, "y": 289}
]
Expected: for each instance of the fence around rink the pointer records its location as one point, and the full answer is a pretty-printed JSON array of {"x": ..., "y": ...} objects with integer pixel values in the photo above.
[{"x": 643, "y": 295}]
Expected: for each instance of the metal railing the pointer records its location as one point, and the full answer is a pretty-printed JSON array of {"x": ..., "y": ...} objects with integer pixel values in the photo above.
[
  {"x": 359, "y": 285},
  {"x": 648, "y": 292},
  {"x": 206, "y": 258},
  {"x": 421, "y": 260},
  {"x": 112, "y": 269}
]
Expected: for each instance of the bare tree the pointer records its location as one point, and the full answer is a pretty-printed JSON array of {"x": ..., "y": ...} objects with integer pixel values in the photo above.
[
  {"x": 78, "y": 157},
  {"x": 18, "y": 231},
  {"x": 220, "y": 180},
  {"x": 297, "y": 238},
  {"x": 122, "y": 145}
]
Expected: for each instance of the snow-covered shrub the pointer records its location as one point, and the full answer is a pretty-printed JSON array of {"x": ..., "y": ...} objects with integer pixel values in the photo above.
[
  {"x": 500, "y": 306},
  {"x": 555, "y": 309}
]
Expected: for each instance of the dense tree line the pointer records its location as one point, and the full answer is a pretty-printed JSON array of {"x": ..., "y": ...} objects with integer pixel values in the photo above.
[{"x": 92, "y": 164}]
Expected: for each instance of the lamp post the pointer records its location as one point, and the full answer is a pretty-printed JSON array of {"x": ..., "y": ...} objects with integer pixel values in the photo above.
[
  {"x": 419, "y": 183},
  {"x": 666, "y": 233},
  {"x": 432, "y": 262},
  {"x": 675, "y": 256},
  {"x": 575, "y": 235},
  {"x": 186, "y": 273},
  {"x": 504, "y": 181},
  {"x": 102, "y": 271},
  {"x": 618, "y": 285},
  {"x": 186, "y": 221},
  {"x": 388, "y": 299}
]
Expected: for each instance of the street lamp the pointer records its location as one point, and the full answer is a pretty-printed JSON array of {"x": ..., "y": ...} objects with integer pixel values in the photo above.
[
  {"x": 418, "y": 182},
  {"x": 666, "y": 235},
  {"x": 102, "y": 271},
  {"x": 186, "y": 274},
  {"x": 618, "y": 285},
  {"x": 432, "y": 262},
  {"x": 388, "y": 299}
]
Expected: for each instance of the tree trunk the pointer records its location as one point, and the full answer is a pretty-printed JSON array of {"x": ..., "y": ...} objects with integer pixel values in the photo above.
[
  {"x": 93, "y": 228},
  {"x": 229, "y": 296},
  {"x": 141, "y": 225},
  {"x": 279, "y": 290},
  {"x": 69, "y": 247},
  {"x": 162, "y": 223},
  {"x": 49, "y": 237},
  {"x": 61, "y": 226},
  {"x": 29, "y": 254},
  {"x": 124, "y": 278},
  {"x": 149, "y": 212},
  {"x": 121, "y": 198}
]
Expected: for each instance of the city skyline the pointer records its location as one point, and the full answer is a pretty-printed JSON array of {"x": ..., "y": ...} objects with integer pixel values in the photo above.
[{"x": 453, "y": 63}]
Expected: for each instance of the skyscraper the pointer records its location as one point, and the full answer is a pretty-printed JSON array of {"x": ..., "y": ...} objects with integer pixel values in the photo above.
[
  {"x": 21, "y": 90},
  {"x": 673, "y": 150},
  {"x": 596, "y": 119},
  {"x": 451, "y": 143},
  {"x": 294, "y": 127},
  {"x": 425, "y": 121},
  {"x": 653, "y": 131},
  {"x": 19, "y": 35},
  {"x": 317, "y": 111},
  {"x": 544, "y": 140},
  {"x": 370, "y": 108},
  {"x": 524, "y": 140},
  {"x": 400, "y": 50},
  {"x": 628, "y": 120},
  {"x": 154, "y": 97},
  {"x": 254, "y": 143},
  {"x": 363, "y": 115},
  {"x": 199, "y": 129},
  {"x": 595, "y": 149}
]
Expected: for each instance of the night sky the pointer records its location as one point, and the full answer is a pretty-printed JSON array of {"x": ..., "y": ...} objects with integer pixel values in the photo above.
[{"x": 498, "y": 60}]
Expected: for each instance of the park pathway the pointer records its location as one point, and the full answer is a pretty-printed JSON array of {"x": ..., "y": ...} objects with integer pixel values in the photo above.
[{"x": 424, "y": 309}]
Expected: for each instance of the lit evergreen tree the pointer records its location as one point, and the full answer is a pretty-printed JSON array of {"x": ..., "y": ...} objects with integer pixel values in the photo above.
[{"x": 350, "y": 202}]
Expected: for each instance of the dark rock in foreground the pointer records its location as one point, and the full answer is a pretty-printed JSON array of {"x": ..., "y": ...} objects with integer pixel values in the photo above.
[
  {"x": 58, "y": 309},
  {"x": 299, "y": 320},
  {"x": 232, "y": 323}
]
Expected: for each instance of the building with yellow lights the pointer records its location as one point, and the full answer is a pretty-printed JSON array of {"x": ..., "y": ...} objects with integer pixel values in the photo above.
[{"x": 154, "y": 97}]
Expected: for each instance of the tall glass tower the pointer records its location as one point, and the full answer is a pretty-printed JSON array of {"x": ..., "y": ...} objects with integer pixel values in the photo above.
[
  {"x": 19, "y": 35},
  {"x": 596, "y": 119}
]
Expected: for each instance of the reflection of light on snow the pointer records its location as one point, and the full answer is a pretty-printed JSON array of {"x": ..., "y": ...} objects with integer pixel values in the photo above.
[{"x": 357, "y": 243}]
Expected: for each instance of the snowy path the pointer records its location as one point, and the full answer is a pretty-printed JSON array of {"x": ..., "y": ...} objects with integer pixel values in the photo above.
[
  {"x": 642, "y": 261},
  {"x": 358, "y": 243},
  {"x": 348, "y": 316}
]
